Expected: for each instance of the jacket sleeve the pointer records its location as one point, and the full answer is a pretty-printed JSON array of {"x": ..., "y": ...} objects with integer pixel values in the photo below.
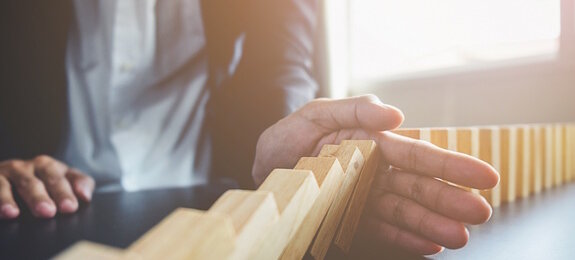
[{"x": 271, "y": 77}]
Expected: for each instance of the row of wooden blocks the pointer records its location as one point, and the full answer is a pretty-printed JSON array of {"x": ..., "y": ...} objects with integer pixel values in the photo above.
[
  {"x": 294, "y": 211},
  {"x": 529, "y": 158}
]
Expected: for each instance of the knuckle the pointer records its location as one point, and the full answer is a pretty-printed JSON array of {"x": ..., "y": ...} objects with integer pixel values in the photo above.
[
  {"x": 399, "y": 213},
  {"x": 16, "y": 164},
  {"x": 27, "y": 183},
  {"x": 51, "y": 179},
  {"x": 412, "y": 154},
  {"x": 416, "y": 190},
  {"x": 43, "y": 159}
]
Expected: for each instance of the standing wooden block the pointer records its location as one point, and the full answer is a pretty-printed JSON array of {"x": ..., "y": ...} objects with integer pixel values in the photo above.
[
  {"x": 188, "y": 234},
  {"x": 354, "y": 210},
  {"x": 438, "y": 137},
  {"x": 504, "y": 172},
  {"x": 558, "y": 155},
  {"x": 92, "y": 251},
  {"x": 564, "y": 154},
  {"x": 295, "y": 192},
  {"x": 352, "y": 162},
  {"x": 475, "y": 147},
  {"x": 522, "y": 176},
  {"x": 485, "y": 154},
  {"x": 539, "y": 148},
  {"x": 425, "y": 134},
  {"x": 329, "y": 175},
  {"x": 252, "y": 214},
  {"x": 462, "y": 144},
  {"x": 411, "y": 133},
  {"x": 549, "y": 152},
  {"x": 570, "y": 153},
  {"x": 508, "y": 139}
]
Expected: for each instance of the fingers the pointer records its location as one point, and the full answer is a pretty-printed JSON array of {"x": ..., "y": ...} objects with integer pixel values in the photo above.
[
  {"x": 426, "y": 159},
  {"x": 410, "y": 216},
  {"x": 435, "y": 195},
  {"x": 8, "y": 207},
  {"x": 52, "y": 173},
  {"x": 45, "y": 184},
  {"x": 393, "y": 235},
  {"x": 362, "y": 112},
  {"x": 82, "y": 184},
  {"x": 31, "y": 189}
]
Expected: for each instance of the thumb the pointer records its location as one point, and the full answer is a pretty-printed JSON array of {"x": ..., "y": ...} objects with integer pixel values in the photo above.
[{"x": 366, "y": 112}]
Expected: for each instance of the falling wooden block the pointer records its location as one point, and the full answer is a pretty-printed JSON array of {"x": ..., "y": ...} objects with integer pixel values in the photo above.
[
  {"x": 188, "y": 234},
  {"x": 252, "y": 214},
  {"x": 354, "y": 209},
  {"x": 295, "y": 192},
  {"x": 329, "y": 175},
  {"x": 352, "y": 162},
  {"x": 93, "y": 251}
]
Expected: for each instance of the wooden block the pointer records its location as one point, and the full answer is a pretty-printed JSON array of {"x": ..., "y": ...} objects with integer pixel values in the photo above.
[
  {"x": 329, "y": 150},
  {"x": 411, "y": 133},
  {"x": 295, "y": 192},
  {"x": 558, "y": 155},
  {"x": 485, "y": 154},
  {"x": 548, "y": 161},
  {"x": 565, "y": 153},
  {"x": 93, "y": 251},
  {"x": 329, "y": 175},
  {"x": 252, "y": 214},
  {"x": 425, "y": 134},
  {"x": 508, "y": 137},
  {"x": 522, "y": 176},
  {"x": 352, "y": 162},
  {"x": 539, "y": 148},
  {"x": 188, "y": 234},
  {"x": 570, "y": 153},
  {"x": 438, "y": 137},
  {"x": 464, "y": 141},
  {"x": 475, "y": 147},
  {"x": 354, "y": 209},
  {"x": 459, "y": 140},
  {"x": 496, "y": 163}
]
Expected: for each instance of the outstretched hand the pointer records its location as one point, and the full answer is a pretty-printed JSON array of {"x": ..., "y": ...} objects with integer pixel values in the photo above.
[{"x": 408, "y": 207}]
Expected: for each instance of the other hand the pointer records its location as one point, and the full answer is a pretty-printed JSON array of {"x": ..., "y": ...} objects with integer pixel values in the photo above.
[
  {"x": 45, "y": 184},
  {"x": 408, "y": 207}
]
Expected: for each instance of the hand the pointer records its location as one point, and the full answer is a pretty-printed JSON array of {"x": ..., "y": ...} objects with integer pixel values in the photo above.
[
  {"x": 411, "y": 209},
  {"x": 408, "y": 207},
  {"x": 42, "y": 183}
]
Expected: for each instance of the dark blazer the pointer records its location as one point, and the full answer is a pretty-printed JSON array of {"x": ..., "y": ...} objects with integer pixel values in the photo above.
[{"x": 272, "y": 78}]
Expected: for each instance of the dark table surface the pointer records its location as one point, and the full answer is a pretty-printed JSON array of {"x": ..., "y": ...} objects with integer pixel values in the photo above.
[{"x": 540, "y": 227}]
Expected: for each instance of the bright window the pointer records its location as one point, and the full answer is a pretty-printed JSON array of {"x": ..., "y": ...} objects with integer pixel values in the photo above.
[{"x": 396, "y": 37}]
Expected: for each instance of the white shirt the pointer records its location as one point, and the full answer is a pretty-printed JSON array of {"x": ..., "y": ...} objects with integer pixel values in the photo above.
[{"x": 137, "y": 74}]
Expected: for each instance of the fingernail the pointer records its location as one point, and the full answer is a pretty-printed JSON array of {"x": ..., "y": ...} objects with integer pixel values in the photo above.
[
  {"x": 45, "y": 210},
  {"x": 68, "y": 206},
  {"x": 87, "y": 194},
  {"x": 9, "y": 211}
]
